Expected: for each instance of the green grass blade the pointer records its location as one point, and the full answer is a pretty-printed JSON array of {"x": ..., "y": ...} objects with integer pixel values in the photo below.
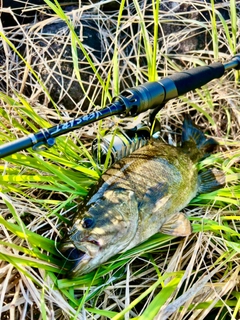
[
  {"x": 147, "y": 43},
  {"x": 31, "y": 237},
  {"x": 214, "y": 30},
  {"x": 143, "y": 295},
  {"x": 161, "y": 298}
]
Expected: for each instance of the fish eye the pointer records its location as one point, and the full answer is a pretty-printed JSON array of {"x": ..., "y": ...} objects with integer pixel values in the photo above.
[{"x": 88, "y": 222}]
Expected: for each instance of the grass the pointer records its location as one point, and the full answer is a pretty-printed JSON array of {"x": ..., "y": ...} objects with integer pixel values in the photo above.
[{"x": 165, "y": 277}]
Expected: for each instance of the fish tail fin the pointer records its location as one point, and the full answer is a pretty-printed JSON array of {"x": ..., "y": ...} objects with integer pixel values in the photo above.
[{"x": 194, "y": 139}]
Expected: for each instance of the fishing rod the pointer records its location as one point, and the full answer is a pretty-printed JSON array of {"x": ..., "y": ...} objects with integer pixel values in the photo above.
[{"x": 131, "y": 102}]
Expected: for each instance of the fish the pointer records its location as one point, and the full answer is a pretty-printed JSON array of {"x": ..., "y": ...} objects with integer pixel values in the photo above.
[{"x": 139, "y": 196}]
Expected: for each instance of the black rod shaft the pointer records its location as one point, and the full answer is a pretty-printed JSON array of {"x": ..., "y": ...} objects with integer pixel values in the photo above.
[
  {"x": 42, "y": 135},
  {"x": 115, "y": 108}
]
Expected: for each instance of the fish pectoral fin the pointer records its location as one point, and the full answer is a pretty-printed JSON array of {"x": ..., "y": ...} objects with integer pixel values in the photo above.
[{"x": 178, "y": 225}]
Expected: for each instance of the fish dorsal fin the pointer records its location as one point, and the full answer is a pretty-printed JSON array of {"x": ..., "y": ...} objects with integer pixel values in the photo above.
[
  {"x": 191, "y": 133},
  {"x": 177, "y": 225},
  {"x": 194, "y": 140}
]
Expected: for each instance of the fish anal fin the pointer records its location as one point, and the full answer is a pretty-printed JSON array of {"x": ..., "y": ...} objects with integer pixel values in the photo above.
[
  {"x": 177, "y": 225},
  {"x": 211, "y": 180}
]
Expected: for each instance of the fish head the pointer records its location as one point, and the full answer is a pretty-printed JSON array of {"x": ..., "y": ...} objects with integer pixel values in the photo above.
[{"x": 101, "y": 230}]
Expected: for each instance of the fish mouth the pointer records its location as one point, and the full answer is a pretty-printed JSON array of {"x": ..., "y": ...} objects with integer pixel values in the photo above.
[{"x": 78, "y": 254}]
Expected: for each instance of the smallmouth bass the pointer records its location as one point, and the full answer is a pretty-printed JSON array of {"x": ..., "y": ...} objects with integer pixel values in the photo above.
[{"x": 140, "y": 195}]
